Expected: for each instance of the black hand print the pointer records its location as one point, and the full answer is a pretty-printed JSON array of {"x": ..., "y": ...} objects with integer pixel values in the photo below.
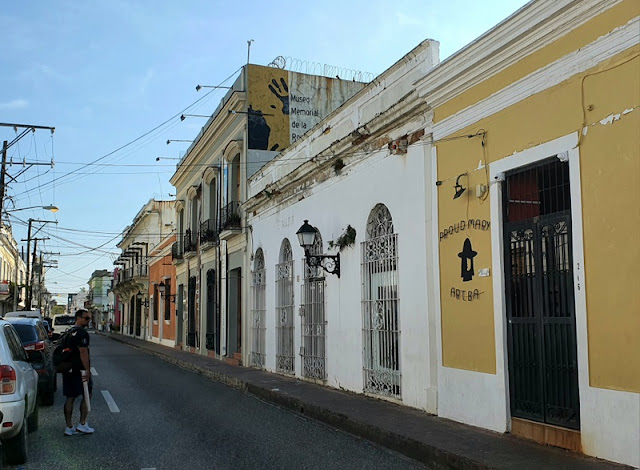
[{"x": 281, "y": 93}]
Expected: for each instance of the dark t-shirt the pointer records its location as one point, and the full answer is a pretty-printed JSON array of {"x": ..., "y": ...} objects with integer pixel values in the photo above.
[{"x": 78, "y": 338}]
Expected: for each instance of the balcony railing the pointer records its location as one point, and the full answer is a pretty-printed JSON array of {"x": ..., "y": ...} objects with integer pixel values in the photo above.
[
  {"x": 176, "y": 251},
  {"x": 189, "y": 241},
  {"x": 137, "y": 270},
  {"x": 208, "y": 232},
  {"x": 230, "y": 217}
]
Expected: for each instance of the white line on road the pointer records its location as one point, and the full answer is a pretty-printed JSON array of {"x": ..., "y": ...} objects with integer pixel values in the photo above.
[
  {"x": 110, "y": 401},
  {"x": 93, "y": 371}
]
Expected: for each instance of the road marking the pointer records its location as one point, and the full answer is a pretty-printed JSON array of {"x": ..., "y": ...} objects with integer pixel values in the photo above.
[
  {"x": 110, "y": 401},
  {"x": 93, "y": 371}
]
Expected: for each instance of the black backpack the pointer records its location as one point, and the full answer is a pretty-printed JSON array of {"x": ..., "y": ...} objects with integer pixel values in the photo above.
[{"x": 63, "y": 353}]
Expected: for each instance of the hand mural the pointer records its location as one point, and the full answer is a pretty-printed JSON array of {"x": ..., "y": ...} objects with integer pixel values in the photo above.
[{"x": 281, "y": 93}]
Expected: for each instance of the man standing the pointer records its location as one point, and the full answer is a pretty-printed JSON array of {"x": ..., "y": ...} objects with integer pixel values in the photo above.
[{"x": 72, "y": 382}]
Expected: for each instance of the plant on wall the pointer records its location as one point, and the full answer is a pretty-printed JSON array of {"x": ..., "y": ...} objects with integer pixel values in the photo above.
[{"x": 345, "y": 240}]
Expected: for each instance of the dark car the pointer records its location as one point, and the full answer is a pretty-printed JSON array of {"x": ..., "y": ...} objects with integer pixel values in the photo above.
[{"x": 35, "y": 340}]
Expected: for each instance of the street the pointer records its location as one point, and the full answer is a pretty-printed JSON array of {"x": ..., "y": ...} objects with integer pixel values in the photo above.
[{"x": 149, "y": 414}]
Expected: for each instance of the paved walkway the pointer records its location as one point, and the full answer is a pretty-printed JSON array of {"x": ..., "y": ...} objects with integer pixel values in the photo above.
[{"x": 437, "y": 442}]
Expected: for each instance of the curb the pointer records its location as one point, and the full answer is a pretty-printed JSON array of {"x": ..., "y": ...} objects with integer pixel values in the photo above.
[{"x": 433, "y": 457}]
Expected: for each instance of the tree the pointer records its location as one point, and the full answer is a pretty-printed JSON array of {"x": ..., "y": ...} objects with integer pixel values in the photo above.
[{"x": 58, "y": 309}]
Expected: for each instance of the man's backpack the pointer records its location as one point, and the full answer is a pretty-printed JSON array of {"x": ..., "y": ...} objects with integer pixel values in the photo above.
[{"x": 63, "y": 354}]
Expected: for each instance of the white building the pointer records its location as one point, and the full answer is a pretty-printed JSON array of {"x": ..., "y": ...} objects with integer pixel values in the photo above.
[{"x": 364, "y": 168}]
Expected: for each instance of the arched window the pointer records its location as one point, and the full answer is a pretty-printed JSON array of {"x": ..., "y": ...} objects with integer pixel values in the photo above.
[
  {"x": 380, "y": 318},
  {"x": 313, "y": 317},
  {"x": 258, "y": 324},
  {"x": 284, "y": 310}
]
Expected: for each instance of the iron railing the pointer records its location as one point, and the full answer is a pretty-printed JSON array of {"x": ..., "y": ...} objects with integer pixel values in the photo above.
[
  {"x": 176, "y": 251},
  {"x": 380, "y": 316},
  {"x": 284, "y": 316},
  {"x": 230, "y": 216},
  {"x": 189, "y": 241},
  {"x": 137, "y": 270},
  {"x": 208, "y": 232}
]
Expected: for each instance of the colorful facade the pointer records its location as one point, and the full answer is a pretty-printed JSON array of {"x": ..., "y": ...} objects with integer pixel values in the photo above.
[{"x": 538, "y": 123}]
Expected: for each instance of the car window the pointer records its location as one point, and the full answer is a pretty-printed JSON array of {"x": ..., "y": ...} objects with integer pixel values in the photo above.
[
  {"x": 27, "y": 333},
  {"x": 66, "y": 320},
  {"x": 42, "y": 333},
  {"x": 17, "y": 351}
]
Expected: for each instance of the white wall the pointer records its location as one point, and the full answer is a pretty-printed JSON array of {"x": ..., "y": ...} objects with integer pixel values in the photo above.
[{"x": 398, "y": 182}]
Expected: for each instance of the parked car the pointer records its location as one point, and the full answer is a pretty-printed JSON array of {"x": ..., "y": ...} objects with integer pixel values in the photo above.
[
  {"x": 61, "y": 323},
  {"x": 18, "y": 395},
  {"x": 24, "y": 313},
  {"x": 33, "y": 334}
]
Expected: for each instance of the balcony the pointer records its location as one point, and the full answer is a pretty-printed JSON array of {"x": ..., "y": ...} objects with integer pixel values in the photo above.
[
  {"x": 176, "y": 253},
  {"x": 230, "y": 217},
  {"x": 189, "y": 244},
  {"x": 208, "y": 234},
  {"x": 131, "y": 279}
]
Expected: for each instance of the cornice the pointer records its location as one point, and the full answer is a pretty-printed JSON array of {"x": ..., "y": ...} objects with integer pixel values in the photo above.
[
  {"x": 533, "y": 27},
  {"x": 211, "y": 131}
]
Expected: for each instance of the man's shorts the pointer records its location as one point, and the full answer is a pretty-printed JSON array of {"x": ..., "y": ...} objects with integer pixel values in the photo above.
[{"x": 72, "y": 385}]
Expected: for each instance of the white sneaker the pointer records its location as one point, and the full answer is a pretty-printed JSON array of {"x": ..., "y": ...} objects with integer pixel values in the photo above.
[
  {"x": 84, "y": 428},
  {"x": 70, "y": 431}
]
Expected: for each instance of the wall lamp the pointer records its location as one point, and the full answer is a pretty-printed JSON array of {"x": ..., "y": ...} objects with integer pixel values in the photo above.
[
  {"x": 162, "y": 288},
  {"x": 458, "y": 187},
  {"x": 143, "y": 302},
  {"x": 177, "y": 140},
  {"x": 185, "y": 116},
  {"x": 307, "y": 237},
  {"x": 200, "y": 87}
]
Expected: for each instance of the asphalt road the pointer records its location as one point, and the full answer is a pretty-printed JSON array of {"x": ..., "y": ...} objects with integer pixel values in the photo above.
[{"x": 164, "y": 417}]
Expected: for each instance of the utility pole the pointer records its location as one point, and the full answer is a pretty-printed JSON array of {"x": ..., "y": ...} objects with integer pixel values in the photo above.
[
  {"x": 29, "y": 264},
  {"x": 5, "y": 146}
]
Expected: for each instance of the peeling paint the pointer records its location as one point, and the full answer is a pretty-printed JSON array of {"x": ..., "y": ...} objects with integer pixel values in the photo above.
[{"x": 609, "y": 119}]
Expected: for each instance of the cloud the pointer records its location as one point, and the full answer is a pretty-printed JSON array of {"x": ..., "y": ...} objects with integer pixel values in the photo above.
[{"x": 14, "y": 104}]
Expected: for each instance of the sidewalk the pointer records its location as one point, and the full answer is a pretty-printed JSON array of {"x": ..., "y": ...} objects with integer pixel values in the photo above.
[{"x": 437, "y": 442}]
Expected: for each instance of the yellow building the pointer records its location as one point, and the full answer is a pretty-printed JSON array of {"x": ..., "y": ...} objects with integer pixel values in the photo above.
[
  {"x": 537, "y": 154},
  {"x": 12, "y": 273}
]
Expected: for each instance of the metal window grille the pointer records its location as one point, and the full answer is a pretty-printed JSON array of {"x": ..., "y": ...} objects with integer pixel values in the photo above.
[
  {"x": 312, "y": 312},
  {"x": 284, "y": 310},
  {"x": 380, "y": 306},
  {"x": 258, "y": 313}
]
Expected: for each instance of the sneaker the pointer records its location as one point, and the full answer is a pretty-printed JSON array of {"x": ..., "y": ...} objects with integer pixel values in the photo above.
[
  {"x": 70, "y": 431},
  {"x": 84, "y": 428}
]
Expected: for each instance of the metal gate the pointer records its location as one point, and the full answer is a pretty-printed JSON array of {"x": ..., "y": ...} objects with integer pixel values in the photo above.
[
  {"x": 541, "y": 333},
  {"x": 284, "y": 310},
  {"x": 258, "y": 324},
  {"x": 313, "y": 349},
  {"x": 212, "y": 306},
  {"x": 380, "y": 319},
  {"x": 191, "y": 311}
]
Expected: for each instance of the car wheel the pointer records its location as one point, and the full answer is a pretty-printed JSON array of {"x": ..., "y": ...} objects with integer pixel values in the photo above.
[
  {"x": 33, "y": 419},
  {"x": 15, "y": 448}
]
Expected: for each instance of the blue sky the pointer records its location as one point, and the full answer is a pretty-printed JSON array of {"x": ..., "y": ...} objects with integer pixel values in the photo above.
[{"x": 105, "y": 73}]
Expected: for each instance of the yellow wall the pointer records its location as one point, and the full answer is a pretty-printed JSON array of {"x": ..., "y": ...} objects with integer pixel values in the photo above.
[
  {"x": 267, "y": 97},
  {"x": 610, "y": 179}
]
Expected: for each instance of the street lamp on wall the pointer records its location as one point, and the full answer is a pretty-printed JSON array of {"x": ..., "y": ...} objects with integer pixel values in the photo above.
[
  {"x": 162, "y": 288},
  {"x": 143, "y": 302},
  {"x": 307, "y": 237}
]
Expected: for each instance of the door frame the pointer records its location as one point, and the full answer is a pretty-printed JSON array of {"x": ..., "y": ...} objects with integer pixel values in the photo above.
[{"x": 566, "y": 148}]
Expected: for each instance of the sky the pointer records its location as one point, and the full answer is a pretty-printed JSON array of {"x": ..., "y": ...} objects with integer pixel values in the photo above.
[{"x": 114, "y": 76}]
